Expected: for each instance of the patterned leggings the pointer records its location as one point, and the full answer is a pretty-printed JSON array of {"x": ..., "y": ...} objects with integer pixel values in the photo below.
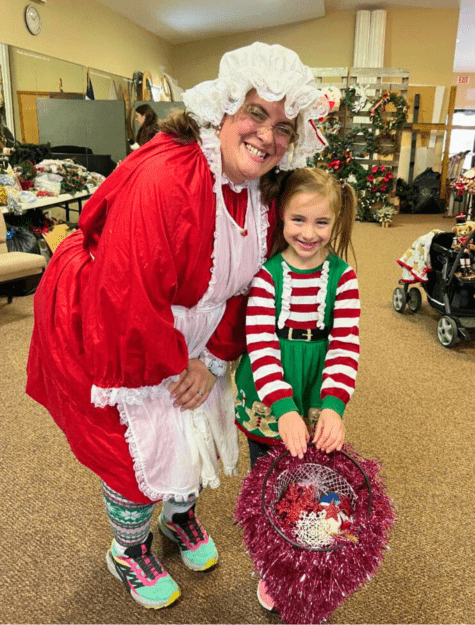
[{"x": 130, "y": 522}]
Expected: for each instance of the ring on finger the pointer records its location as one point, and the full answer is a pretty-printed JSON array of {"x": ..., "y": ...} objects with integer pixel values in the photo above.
[{"x": 200, "y": 393}]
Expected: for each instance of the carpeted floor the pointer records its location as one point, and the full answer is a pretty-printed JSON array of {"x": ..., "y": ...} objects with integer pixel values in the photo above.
[{"x": 413, "y": 408}]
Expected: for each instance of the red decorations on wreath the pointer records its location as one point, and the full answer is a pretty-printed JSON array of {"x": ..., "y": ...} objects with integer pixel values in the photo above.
[
  {"x": 345, "y": 505},
  {"x": 297, "y": 499},
  {"x": 332, "y": 512},
  {"x": 335, "y": 164}
]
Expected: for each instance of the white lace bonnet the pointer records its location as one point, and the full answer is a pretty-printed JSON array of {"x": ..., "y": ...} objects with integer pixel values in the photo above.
[{"x": 275, "y": 73}]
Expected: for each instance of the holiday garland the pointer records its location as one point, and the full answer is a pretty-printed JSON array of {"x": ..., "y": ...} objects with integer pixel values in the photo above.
[{"x": 73, "y": 180}]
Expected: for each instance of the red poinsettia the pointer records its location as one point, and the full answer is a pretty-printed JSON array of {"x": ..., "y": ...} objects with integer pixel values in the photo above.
[
  {"x": 345, "y": 505},
  {"x": 296, "y": 500},
  {"x": 335, "y": 165},
  {"x": 332, "y": 512}
]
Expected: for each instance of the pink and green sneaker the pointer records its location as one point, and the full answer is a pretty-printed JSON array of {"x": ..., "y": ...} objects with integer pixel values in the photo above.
[
  {"x": 197, "y": 548},
  {"x": 143, "y": 576}
]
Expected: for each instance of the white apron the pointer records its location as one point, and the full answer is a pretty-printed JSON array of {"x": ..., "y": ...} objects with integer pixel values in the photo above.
[{"x": 175, "y": 452}]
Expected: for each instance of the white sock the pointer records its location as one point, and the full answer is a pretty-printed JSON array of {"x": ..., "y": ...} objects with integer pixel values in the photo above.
[
  {"x": 171, "y": 507},
  {"x": 119, "y": 550}
]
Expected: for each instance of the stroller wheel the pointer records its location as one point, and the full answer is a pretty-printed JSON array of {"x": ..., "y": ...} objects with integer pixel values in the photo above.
[
  {"x": 399, "y": 300},
  {"x": 447, "y": 331},
  {"x": 414, "y": 302}
]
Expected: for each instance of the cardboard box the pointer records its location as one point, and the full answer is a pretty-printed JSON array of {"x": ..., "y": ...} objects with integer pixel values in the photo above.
[{"x": 56, "y": 235}]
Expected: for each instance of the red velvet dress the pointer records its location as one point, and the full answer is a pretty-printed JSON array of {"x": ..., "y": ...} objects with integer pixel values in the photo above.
[{"x": 103, "y": 308}]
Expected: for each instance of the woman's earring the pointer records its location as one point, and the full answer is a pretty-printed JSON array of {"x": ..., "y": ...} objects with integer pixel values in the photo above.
[
  {"x": 277, "y": 169},
  {"x": 219, "y": 128}
]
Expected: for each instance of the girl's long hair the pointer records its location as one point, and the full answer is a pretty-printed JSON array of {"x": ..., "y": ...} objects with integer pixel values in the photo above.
[
  {"x": 341, "y": 198},
  {"x": 149, "y": 127}
]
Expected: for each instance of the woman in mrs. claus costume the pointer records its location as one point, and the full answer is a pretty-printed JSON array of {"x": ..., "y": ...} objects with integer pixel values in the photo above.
[{"x": 141, "y": 309}]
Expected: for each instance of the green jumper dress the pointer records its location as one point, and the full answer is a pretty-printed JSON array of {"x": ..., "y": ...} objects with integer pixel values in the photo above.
[{"x": 302, "y": 361}]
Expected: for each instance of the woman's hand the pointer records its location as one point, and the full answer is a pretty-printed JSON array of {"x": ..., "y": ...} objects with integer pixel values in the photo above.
[
  {"x": 193, "y": 386},
  {"x": 294, "y": 433},
  {"x": 330, "y": 431}
]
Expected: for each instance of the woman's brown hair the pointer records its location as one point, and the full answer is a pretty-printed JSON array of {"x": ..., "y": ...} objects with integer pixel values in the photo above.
[
  {"x": 341, "y": 198},
  {"x": 149, "y": 127}
]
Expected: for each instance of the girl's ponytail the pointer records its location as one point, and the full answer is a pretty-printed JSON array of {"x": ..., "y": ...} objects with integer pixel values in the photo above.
[{"x": 345, "y": 219}]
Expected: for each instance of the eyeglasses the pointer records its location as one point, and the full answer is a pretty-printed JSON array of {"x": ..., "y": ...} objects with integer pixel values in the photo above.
[{"x": 282, "y": 130}]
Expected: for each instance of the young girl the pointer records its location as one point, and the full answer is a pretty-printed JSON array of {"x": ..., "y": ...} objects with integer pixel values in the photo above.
[{"x": 302, "y": 325}]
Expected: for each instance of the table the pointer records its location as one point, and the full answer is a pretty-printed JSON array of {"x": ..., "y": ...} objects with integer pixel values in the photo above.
[{"x": 64, "y": 200}]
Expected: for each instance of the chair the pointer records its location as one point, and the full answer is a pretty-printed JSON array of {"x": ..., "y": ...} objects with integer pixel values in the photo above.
[{"x": 16, "y": 266}]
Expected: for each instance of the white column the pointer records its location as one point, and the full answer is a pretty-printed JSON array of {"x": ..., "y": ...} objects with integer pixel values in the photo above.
[
  {"x": 377, "y": 39},
  {"x": 362, "y": 39},
  {"x": 7, "y": 89}
]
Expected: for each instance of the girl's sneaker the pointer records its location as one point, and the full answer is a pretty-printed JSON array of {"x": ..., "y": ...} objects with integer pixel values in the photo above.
[
  {"x": 144, "y": 577},
  {"x": 197, "y": 548},
  {"x": 263, "y": 596}
]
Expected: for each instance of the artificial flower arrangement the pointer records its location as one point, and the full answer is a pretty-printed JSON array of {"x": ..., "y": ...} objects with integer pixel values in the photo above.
[
  {"x": 385, "y": 214},
  {"x": 465, "y": 183}
]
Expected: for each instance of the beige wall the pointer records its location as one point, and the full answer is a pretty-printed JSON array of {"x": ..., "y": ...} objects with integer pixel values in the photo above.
[
  {"x": 87, "y": 33},
  {"x": 420, "y": 40},
  {"x": 325, "y": 42}
]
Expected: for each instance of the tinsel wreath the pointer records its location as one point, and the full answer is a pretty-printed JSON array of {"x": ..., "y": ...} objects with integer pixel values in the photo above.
[{"x": 307, "y": 586}]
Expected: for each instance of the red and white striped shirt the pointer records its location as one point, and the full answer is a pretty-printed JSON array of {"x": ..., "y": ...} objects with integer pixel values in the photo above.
[{"x": 341, "y": 361}]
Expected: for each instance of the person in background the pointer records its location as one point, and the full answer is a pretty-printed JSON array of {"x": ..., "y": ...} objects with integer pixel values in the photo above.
[
  {"x": 146, "y": 119},
  {"x": 142, "y": 308},
  {"x": 302, "y": 325}
]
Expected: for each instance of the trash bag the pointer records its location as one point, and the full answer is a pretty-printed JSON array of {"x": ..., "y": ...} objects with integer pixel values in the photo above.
[
  {"x": 427, "y": 188},
  {"x": 407, "y": 194},
  {"x": 21, "y": 239}
]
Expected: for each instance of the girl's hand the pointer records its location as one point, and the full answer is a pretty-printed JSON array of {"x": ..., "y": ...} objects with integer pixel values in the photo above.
[
  {"x": 194, "y": 385},
  {"x": 330, "y": 431},
  {"x": 294, "y": 433}
]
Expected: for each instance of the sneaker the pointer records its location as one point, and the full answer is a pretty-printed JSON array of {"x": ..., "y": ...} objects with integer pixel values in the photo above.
[
  {"x": 263, "y": 596},
  {"x": 143, "y": 576},
  {"x": 197, "y": 548}
]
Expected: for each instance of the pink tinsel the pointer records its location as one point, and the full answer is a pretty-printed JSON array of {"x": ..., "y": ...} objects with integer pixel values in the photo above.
[{"x": 307, "y": 586}]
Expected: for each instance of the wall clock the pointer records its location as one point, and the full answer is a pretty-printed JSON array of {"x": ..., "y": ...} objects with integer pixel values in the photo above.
[{"x": 32, "y": 19}]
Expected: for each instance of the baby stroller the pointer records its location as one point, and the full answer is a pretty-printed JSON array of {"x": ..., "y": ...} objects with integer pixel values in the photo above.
[{"x": 447, "y": 274}]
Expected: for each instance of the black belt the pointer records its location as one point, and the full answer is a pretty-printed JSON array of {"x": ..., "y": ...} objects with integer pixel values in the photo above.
[{"x": 293, "y": 334}]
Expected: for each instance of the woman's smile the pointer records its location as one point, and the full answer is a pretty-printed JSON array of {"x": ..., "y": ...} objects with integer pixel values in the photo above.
[{"x": 255, "y": 151}]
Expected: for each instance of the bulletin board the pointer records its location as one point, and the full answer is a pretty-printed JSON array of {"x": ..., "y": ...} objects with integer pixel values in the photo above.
[{"x": 95, "y": 124}]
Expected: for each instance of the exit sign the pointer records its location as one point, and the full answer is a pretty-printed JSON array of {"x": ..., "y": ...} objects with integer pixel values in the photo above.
[{"x": 463, "y": 80}]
